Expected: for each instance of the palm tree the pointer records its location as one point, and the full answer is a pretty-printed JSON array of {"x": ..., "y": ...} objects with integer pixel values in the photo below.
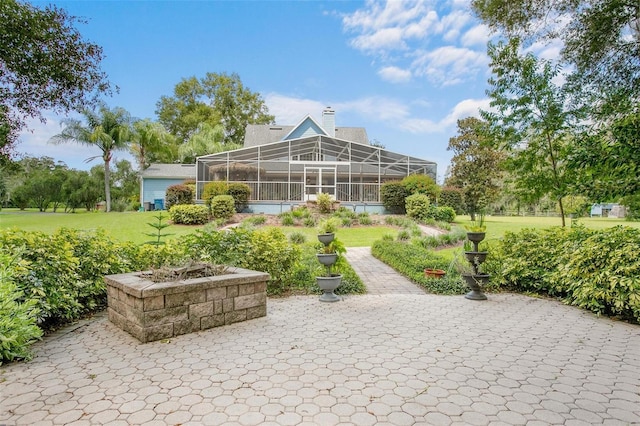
[
  {"x": 206, "y": 140},
  {"x": 108, "y": 129},
  {"x": 152, "y": 143}
]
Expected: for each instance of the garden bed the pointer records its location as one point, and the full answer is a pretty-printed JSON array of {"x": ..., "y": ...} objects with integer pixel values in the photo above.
[{"x": 152, "y": 311}]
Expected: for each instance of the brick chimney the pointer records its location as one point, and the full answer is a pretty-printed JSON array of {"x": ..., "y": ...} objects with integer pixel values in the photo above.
[{"x": 329, "y": 121}]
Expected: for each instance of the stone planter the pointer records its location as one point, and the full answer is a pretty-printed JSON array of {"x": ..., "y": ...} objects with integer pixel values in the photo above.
[
  {"x": 326, "y": 238},
  {"x": 476, "y": 257},
  {"x": 328, "y": 286},
  {"x": 475, "y": 283},
  {"x": 327, "y": 259},
  {"x": 153, "y": 311}
]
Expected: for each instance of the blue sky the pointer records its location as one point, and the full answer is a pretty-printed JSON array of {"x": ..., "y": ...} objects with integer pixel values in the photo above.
[{"x": 404, "y": 70}]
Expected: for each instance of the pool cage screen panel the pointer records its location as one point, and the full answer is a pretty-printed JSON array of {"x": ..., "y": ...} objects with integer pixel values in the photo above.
[{"x": 297, "y": 170}]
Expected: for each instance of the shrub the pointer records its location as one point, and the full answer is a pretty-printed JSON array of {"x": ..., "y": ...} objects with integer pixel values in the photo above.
[
  {"x": 404, "y": 235},
  {"x": 324, "y": 202},
  {"x": 271, "y": 252},
  {"x": 393, "y": 195},
  {"x": 255, "y": 220},
  {"x": 451, "y": 197},
  {"x": 411, "y": 261},
  {"x": 309, "y": 222},
  {"x": 297, "y": 238},
  {"x": 240, "y": 193},
  {"x": 421, "y": 184},
  {"x": 178, "y": 194},
  {"x": 213, "y": 189},
  {"x": 301, "y": 212},
  {"x": 444, "y": 214},
  {"x": 222, "y": 207},
  {"x": 286, "y": 219},
  {"x": 602, "y": 274},
  {"x": 417, "y": 206},
  {"x": 365, "y": 219},
  {"x": 189, "y": 214},
  {"x": 18, "y": 317}
]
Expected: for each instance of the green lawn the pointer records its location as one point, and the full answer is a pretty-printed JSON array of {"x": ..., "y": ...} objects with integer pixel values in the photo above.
[
  {"x": 131, "y": 226},
  {"x": 128, "y": 226}
]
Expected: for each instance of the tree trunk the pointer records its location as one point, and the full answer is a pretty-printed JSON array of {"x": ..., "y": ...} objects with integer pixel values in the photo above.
[
  {"x": 107, "y": 180},
  {"x": 561, "y": 210}
]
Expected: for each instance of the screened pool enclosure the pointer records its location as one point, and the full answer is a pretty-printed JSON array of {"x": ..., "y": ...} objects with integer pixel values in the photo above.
[{"x": 296, "y": 169}]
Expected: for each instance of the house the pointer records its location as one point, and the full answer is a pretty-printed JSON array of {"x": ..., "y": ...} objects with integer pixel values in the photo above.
[
  {"x": 287, "y": 165},
  {"x": 155, "y": 180}
]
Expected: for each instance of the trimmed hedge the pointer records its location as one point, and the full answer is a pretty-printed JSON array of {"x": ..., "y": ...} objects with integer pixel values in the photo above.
[
  {"x": 178, "y": 194},
  {"x": 223, "y": 207},
  {"x": 393, "y": 196},
  {"x": 411, "y": 260},
  {"x": 595, "y": 270},
  {"x": 189, "y": 214}
]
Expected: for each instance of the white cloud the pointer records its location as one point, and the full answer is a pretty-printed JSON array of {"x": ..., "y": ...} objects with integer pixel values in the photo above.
[
  {"x": 395, "y": 74},
  {"x": 391, "y": 113},
  {"x": 476, "y": 36},
  {"x": 290, "y": 110},
  {"x": 449, "y": 65},
  {"x": 441, "y": 41}
]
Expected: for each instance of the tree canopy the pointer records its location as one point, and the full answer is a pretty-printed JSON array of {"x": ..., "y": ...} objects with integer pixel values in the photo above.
[
  {"x": 601, "y": 38},
  {"x": 45, "y": 64},
  {"x": 216, "y": 99},
  {"x": 475, "y": 165}
]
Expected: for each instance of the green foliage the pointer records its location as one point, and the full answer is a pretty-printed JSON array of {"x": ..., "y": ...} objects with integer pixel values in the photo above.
[
  {"x": 189, "y": 214},
  {"x": 324, "y": 202},
  {"x": 393, "y": 196},
  {"x": 62, "y": 72},
  {"x": 595, "y": 270},
  {"x": 444, "y": 214},
  {"x": 421, "y": 184},
  {"x": 178, "y": 194},
  {"x": 18, "y": 317},
  {"x": 222, "y": 207},
  {"x": 240, "y": 193},
  {"x": 213, "y": 189},
  {"x": 309, "y": 222},
  {"x": 218, "y": 247},
  {"x": 255, "y": 220},
  {"x": 216, "y": 99},
  {"x": 328, "y": 225},
  {"x": 297, "y": 238},
  {"x": 403, "y": 235},
  {"x": 303, "y": 277},
  {"x": 158, "y": 226},
  {"x": 411, "y": 260},
  {"x": 603, "y": 273},
  {"x": 365, "y": 219},
  {"x": 451, "y": 197},
  {"x": 287, "y": 219},
  {"x": 632, "y": 202},
  {"x": 417, "y": 206}
]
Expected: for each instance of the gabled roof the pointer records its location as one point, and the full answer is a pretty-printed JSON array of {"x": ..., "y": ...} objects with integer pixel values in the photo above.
[
  {"x": 306, "y": 127},
  {"x": 170, "y": 171},
  {"x": 261, "y": 134}
]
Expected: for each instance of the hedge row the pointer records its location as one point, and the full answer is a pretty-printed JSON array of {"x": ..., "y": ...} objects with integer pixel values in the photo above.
[
  {"x": 411, "y": 260},
  {"x": 595, "y": 270},
  {"x": 46, "y": 280}
]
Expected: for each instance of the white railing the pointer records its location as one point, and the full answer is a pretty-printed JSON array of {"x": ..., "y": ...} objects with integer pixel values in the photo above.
[{"x": 294, "y": 191}]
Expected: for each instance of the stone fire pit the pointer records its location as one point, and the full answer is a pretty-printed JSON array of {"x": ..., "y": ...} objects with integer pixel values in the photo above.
[{"x": 152, "y": 311}]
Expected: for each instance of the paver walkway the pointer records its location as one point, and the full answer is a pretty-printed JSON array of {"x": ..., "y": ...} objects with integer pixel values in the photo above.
[
  {"x": 379, "y": 278},
  {"x": 375, "y": 359}
]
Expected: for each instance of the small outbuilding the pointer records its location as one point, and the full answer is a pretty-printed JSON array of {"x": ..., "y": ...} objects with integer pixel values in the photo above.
[{"x": 155, "y": 180}]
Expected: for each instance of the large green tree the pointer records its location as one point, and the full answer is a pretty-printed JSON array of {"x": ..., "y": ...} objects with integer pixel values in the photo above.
[
  {"x": 601, "y": 38},
  {"x": 476, "y": 165},
  {"x": 45, "y": 64},
  {"x": 206, "y": 140},
  {"x": 107, "y": 129},
  {"x": 532, "y": 120},
  {"x": 218, "y": 98}
]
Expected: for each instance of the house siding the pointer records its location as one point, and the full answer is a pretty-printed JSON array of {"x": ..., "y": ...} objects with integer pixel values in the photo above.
[{"x": 153, "y": 189}]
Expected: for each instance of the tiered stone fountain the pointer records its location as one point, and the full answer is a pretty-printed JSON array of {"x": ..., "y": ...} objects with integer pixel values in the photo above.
[{"x": 477, "y": 279}]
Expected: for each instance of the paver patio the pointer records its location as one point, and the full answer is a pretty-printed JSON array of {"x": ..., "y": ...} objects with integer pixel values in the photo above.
[{"x": 372, "y": 359}]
